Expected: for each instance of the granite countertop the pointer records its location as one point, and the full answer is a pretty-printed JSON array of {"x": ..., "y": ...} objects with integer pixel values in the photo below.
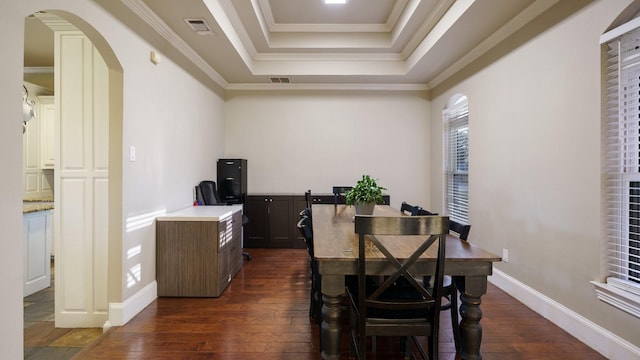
[{"x": 35, "y": 205}]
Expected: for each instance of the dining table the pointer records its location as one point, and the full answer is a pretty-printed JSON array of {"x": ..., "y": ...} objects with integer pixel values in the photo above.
[{"x": 336, "y": 252}]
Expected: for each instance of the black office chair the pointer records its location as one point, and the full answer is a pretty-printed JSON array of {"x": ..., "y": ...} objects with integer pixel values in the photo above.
[
  {"x": 207, "y": 193},
  {"x": 388, "y": 310}
]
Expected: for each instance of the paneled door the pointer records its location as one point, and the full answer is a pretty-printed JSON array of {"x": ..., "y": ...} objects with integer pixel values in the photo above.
[{"x": 81, "y": 182}]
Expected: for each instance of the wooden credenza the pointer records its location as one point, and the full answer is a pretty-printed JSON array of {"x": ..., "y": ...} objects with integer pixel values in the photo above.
[
  {"x": 198, "y": 250},
  {"x": 273, "y": 218}
]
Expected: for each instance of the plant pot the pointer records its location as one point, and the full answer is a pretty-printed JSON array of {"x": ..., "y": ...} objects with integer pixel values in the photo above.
[{"x": 364, "y": 208}]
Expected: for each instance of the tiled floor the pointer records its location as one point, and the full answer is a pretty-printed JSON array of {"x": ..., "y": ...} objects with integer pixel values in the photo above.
[{"x": 42, "y": 341}]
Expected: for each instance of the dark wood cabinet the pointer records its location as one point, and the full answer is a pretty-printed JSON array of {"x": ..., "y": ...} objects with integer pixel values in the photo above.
[{"x": 273, "y": 219}]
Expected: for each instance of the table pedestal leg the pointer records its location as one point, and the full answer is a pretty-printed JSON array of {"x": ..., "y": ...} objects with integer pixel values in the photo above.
[
  {"x": 471, "y": 289},
  {"x": 331, "y": 328}
]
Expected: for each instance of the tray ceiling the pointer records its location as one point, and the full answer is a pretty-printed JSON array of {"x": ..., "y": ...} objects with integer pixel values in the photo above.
[{"x": 388, "y": 43}]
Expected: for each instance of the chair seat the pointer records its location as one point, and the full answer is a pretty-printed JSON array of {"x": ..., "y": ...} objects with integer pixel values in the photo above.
[
  {"x": 396, "y": 294},
  {"x": 448, "y": 290}
]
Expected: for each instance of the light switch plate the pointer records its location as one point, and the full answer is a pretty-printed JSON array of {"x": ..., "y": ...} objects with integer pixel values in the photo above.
[{"x": 132, "y": 153}]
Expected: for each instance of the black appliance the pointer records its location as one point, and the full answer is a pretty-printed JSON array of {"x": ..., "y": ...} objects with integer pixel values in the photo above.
[{"x": 232, "y": 180}]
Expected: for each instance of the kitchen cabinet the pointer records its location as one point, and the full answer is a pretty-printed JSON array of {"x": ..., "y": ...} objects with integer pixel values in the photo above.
[
  {"x": 36, "y": 250},
  {"x": 198, "y": 250},
  {"x": 47, "y": 121}
]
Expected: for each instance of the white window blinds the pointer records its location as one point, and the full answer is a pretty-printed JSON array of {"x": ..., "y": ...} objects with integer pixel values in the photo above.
[
  {"x": 456, "y": 162},
  {"x": 622, "y": 145}
]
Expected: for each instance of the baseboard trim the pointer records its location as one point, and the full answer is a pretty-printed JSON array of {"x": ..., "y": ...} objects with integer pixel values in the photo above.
[
  {"x": 121, "y": 313},
  {"x": 593, "y": 335}
]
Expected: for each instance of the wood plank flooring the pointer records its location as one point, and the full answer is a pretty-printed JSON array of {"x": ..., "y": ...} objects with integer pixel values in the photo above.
[{"x": 263, "y": 314}]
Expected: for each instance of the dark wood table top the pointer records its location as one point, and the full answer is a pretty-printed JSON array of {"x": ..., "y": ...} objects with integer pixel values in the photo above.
[{"x": 336, "y": 246}]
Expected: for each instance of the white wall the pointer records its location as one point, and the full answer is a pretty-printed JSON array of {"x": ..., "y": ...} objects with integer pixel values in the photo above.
[
  {"x": 174, "y": 121},
  {"x": 299, "y": 140},
  {"x": 11, "y": 182},
  {"x": 534, "y": 119}
]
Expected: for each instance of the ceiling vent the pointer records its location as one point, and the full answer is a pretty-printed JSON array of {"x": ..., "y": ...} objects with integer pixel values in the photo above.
[
  {"x": 199, "y": 26},
  {"x": 280, "y": 80}
]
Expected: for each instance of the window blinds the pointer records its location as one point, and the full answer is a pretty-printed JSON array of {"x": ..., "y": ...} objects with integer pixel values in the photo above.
[
  {"x": 456, "y": 152},
  {"x": 622, "y": 146}
]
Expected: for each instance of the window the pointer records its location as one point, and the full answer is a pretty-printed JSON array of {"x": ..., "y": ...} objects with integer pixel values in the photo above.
[
  {"x": 456, "y": 159},
  {"x": 621, "y": 143}
]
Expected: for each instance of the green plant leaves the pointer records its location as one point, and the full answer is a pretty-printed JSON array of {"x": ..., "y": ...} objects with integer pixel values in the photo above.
[{"x": 366, "y": 190}]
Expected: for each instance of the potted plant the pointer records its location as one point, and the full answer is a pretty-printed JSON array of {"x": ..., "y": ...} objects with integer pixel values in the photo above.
[{"x": 365, "y": 195}]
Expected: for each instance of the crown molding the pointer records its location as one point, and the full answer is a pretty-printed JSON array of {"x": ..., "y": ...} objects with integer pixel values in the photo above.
[
  {"x": 327, "y": 87},
  {"x": 434, "y": 17},
  {"x": 262, "y": 8},
  {"x": 497, "y": 37},
  {"x": 153, "y": 20}
]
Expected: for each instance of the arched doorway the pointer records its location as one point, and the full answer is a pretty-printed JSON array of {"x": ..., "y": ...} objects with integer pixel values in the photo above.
[{"x": 87, "y": 174}]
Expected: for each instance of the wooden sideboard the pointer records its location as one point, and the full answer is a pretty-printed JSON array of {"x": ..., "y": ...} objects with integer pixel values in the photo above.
[
  {"x": 273, "y": 218},
  {"x": 198, "y": 250}
]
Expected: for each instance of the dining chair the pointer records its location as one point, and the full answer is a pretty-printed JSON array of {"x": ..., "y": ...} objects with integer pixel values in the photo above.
[
  {"x": 423, "y": 212},
  {"x": 449, "y": 290},
  {"x": 384, "y": 309},
  {"x": 307, "y": 210},
  {"x": 315, "y": 294},
  {"x": 307, "y": 199},
  {"x": 339, "y": 191},
  {"x": 408, "y": 209}
]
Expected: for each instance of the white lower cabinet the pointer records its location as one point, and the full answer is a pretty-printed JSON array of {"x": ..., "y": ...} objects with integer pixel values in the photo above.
[{"x": 36, "y": 242}]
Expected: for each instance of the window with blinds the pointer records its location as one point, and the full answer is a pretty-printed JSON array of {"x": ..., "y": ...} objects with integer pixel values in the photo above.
[
  {"x": 622, "y": 144},
  {"x": 456, "y": 162}
]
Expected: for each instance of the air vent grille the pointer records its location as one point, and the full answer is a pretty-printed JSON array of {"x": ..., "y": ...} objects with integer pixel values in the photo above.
[
  {"x": 199, "y": 26},
  {"x": 280, "y": 80}
]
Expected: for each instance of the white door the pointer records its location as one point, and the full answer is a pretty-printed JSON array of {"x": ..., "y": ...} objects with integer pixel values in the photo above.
[{"x": 81, "y": 182}]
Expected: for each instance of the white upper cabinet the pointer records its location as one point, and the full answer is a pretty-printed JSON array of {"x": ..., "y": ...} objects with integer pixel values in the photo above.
[{"x": 47, "y": 120}]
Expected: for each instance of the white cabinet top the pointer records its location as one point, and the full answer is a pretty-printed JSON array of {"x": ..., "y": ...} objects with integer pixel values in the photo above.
[{"x": 201, "y": 213}]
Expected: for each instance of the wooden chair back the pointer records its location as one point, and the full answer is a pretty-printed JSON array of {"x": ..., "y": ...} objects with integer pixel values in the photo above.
[
  {"x": 408, "y": 209},
  {"x": 412, "y": 310},
  {"x": 339, "y": 191},
  {"x": 461, "y": 229}
]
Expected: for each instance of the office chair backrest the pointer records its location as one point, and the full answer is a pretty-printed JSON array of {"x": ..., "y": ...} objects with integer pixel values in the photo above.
[{"x": 209, "y": 192}]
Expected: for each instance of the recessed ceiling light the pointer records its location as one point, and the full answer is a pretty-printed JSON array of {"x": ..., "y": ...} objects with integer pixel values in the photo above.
[{"x": 330, "y": 2}]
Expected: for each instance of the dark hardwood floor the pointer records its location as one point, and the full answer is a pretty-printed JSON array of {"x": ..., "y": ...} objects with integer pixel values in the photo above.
[{"x": 263, "y": 314}]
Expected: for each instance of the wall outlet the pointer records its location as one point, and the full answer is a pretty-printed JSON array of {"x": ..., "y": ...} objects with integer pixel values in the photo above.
[{"x": 505, "y": 255}]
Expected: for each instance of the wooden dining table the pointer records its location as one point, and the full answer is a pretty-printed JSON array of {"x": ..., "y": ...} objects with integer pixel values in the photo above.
[{"x": 336, "y": 251}]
